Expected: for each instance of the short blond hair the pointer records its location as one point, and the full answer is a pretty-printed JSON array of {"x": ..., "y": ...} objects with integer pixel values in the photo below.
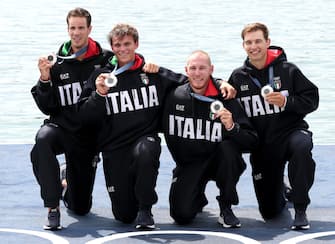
[
  {"x": 200, "y": 52},
  {"x": 255, "y": 27},
  {"x": 122, "y": 30}
]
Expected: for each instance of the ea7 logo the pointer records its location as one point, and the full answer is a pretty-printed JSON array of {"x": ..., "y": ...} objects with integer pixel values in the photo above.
[
  {"x": 180, "y": 107},
  {"x": 244, "y": 87},
  {"x": 64, "y": 76}
]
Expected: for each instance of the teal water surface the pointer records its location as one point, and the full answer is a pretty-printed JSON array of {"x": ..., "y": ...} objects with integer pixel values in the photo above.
[{"x": 169, "y": 31}]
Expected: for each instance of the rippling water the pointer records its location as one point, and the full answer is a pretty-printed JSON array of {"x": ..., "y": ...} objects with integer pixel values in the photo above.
[{"x": 169, "y": 31}]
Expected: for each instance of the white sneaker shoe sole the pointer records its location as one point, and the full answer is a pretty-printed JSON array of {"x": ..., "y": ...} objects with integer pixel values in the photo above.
[
  {"x": 145, "y": 227},
  {"x": 221, "y": 221}
]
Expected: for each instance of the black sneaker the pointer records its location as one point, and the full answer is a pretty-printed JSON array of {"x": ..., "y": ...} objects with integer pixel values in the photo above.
[
  {"x": 53, "y": 222},
  {"x": 300, "y": 221},
  {"x": 144, "y": 220},
  {"x": 228, "y": 219}
]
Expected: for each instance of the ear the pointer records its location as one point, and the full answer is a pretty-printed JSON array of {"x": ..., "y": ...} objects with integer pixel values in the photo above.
[
  {"x": 268, "y": 42},
  {"x": 212, "y": 69},
  {"x": 89, "y": 29}
]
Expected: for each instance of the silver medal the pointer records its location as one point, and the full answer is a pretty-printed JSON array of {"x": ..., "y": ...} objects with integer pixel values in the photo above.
[
  {"x": 111, "y": 80},
  {"x": 52, "y": 58},
  {"x": 266, "y": 90},
  {"x": 216, "y": 106}
]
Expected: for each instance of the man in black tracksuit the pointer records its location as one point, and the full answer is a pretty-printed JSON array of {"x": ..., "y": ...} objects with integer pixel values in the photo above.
[
  {"x": 56, "y": 94},
  {"x": 205, "y": 145},
  {"x": 277, "y": 112},
  {"x": 128, "y": 115}
]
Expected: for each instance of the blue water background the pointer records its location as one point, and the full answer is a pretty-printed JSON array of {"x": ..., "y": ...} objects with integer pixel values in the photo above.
[{"x": 169, "y": 31}]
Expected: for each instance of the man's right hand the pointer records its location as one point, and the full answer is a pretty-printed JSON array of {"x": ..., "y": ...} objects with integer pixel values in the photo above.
[
  {"x": 151, "y": 68},
  {"x": 44, "y": 65},
  {"x": 101, "y": 87}
]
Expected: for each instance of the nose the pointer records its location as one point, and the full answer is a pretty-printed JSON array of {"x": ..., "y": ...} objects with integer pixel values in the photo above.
[
  {"x": 76, "y": 31},
  {"x": 253, "y": 45},
  {"x": 197, "y": 72},
  {"x": 123, "y": 47}
]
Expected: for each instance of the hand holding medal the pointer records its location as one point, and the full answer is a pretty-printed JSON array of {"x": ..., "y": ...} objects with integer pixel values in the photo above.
[
  {"x": 266, "y": 90},
  {"x": 100, "y": 82},
  {"x": 52, "y": 58},
  {"x": 216, "y": 106}
]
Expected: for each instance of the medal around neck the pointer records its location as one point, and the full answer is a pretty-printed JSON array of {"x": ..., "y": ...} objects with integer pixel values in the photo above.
[
  {"x": 52, "y": 58},
  {"x": 216, "y": 106},
  {"x": 111, "y": 80},
  {"x": 266, "y": 90}
]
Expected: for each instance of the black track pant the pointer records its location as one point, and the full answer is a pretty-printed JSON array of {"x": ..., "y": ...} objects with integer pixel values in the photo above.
[
  {"x": 268, "y": 164},
  {"x": 131, "y": 174},
  {"x": 51, "y": 141},
  {"x": 224, "y": 166}
]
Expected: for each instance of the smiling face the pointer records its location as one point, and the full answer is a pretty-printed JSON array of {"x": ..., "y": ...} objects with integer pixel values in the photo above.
[
  {"x": 199, "y": 70},
  {"x": 78, "y": 32},
  {"x": 256, "y": 46},
  {"x": 124, "y": 42},
  {"x": 124, "y": 48}
]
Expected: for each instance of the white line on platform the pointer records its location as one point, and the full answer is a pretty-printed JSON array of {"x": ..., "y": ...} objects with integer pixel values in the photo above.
[
  {"x": 166, "y": 232},
  {"x": 308, "y": 237},
  {"x": 51, "y": 237}
]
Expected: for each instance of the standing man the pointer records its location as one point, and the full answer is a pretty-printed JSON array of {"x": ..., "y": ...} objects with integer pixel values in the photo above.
[
  {"x": 126, "y": 104},
  {"x": 56, "y": 94},
  {"x": 277, "y": 96},
  {"x": 206, "y": 145}
]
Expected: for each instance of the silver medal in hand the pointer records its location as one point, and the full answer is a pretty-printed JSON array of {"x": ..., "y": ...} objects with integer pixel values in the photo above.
[{"x": 111, "y": 80}]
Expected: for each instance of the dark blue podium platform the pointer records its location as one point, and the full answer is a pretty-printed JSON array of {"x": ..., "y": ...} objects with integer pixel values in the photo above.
[{"x": 22, "y": 214}]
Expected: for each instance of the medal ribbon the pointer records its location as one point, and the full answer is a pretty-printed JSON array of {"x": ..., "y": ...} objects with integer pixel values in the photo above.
[
  {"x": 202, "y": 98},
  {"x": 125, "y": 67},
  {"x": 74, "y": 55},
  {"x": 271, "y": 82}
]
